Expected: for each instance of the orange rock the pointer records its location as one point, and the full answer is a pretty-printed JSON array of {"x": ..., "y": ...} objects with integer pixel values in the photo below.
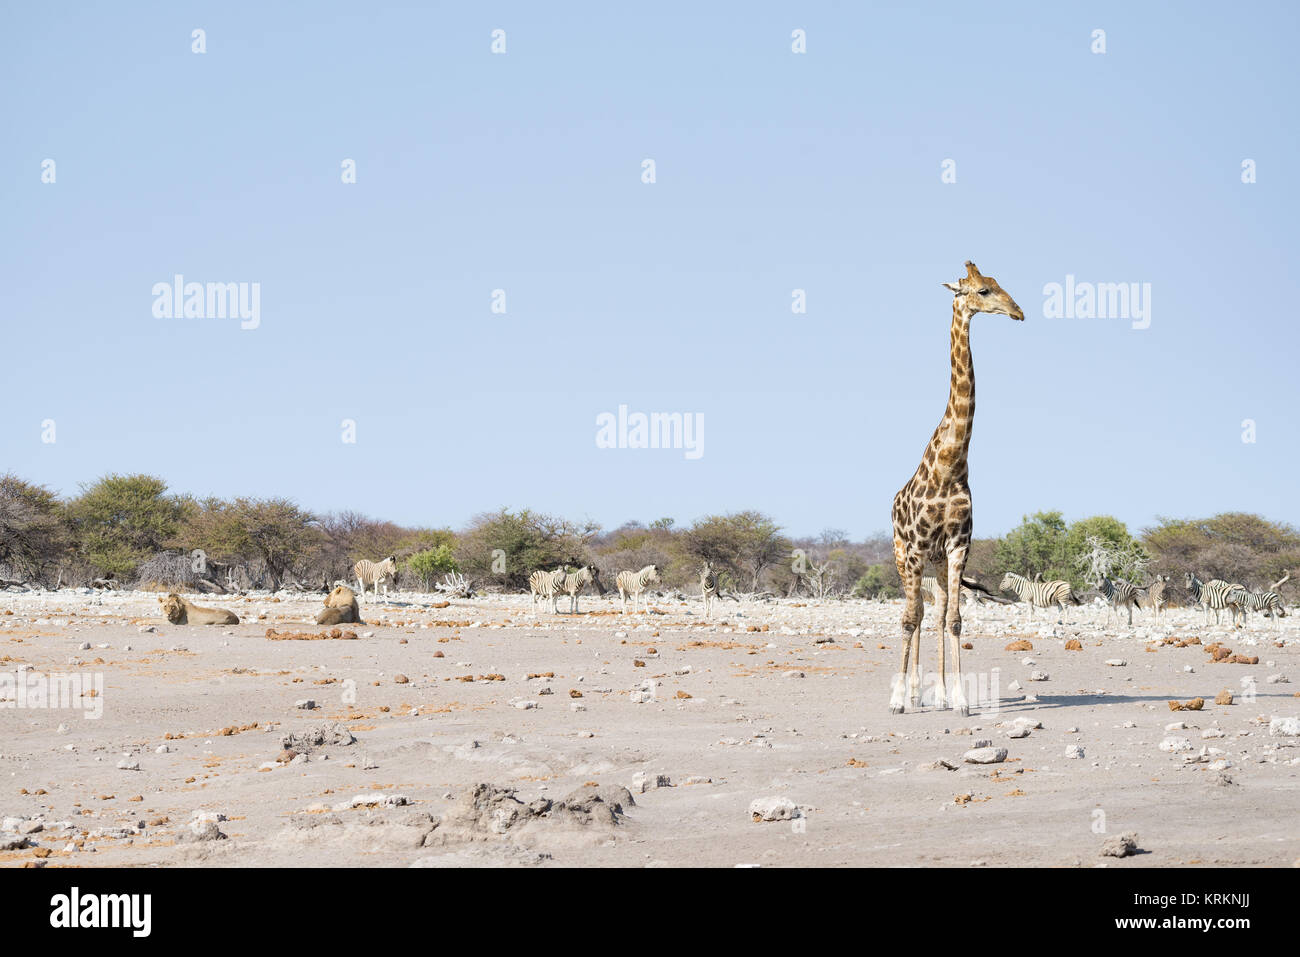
[
  {"x": 1073, "y": 645},
  {"x": 1020, "y": 645}
]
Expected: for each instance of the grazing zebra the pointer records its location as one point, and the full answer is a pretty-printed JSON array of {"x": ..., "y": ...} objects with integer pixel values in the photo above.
[
  {"x": 1156, "y": 598},
  {"x": 634, "y": 584},
  {"x": 1120, "y": 594},
  {"x": 543, "y": 585},
  {"x": 373, "y": 573},
  {"x": 573, "y": 583},
  {"x": 1217, "y": 594},
  {"x": 1040, "y": 594},
  {"x": 708, "y": 588},
  {"x": 1266, "y": 603}
]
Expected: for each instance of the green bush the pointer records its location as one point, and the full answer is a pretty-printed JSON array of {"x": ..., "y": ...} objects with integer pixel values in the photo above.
[{"x": 430, "y": 565}]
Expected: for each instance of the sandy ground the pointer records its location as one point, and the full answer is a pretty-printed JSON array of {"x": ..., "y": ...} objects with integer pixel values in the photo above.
[{"x": 780, "y": 703}]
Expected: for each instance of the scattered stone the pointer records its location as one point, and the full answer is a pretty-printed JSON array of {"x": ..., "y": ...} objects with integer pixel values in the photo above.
[{"x": 1121, "y": 846}]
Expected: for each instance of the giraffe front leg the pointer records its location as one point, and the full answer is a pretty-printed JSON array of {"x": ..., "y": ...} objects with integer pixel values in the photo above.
[
  {"x": 941, "y": 602},
  {"x": 952, "y": 631},
  {"x": 912, "y": 615}
]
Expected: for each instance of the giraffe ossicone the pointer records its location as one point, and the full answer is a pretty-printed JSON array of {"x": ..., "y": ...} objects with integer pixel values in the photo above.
[{"x": 932, "y": 512}]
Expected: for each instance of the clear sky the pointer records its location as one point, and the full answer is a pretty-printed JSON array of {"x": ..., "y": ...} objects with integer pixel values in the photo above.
[{"x": 774, "y": 170}]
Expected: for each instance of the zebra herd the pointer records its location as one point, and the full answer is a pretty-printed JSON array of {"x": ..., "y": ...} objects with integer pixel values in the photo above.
[
  {"x": 1214, "y": 595},
  {"x": 543, "y": 585},
  {"x": 1218, "y": 594},
  {"x": 552, "y": 584},
  {"x": 631, "y": 584}
]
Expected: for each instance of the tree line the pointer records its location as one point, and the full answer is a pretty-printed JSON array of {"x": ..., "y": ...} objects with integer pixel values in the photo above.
[{"x": 130, "y": 530}]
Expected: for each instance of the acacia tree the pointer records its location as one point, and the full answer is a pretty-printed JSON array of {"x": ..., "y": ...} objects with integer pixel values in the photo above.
[
  {"x": 507, "y": 547},
  {"x": 122, "y": 520},
  {"x": 32, "y": 534},
  {"x": 274, "y": 532},
  {"x": 743, "y": 544}
]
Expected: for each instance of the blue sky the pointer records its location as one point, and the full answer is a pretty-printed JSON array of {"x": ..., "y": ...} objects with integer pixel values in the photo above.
[{"x": 775, "y": 171}]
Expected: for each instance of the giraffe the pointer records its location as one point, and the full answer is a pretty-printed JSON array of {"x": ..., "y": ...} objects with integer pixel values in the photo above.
[{"x": 932, "y": 512}]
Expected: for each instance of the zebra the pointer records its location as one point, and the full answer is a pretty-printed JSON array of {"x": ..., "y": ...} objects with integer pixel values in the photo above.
[
  {"x": 573, "y": 583},
  {"x": 1041, "y": 594},
  {"x": 1267, "y": 602},
  {"x": 373, "y": 573},
  {"x": 634, "y": 584},
  {"x": 1120, "y": 594},
  {"x": 708, "y": 588},
  {"x": 1156, "y": 598},
  {"x": 1217, "y": 594},
  {"x": 543, "y": 585}
]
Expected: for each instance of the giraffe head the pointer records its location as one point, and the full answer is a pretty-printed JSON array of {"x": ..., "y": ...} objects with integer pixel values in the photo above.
[{"x": 983, "y": 294}]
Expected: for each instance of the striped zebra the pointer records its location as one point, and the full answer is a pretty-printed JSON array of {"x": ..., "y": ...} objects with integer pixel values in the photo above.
[
  {"x": 1156, "y": 597},
  {"x": 573, "y": 583},
  {"x": 708, "y": 588},
  {"x": 1120, "y": 594},
  {"x": 375, "y": 573},
  {"x": 1266, "y": 602},
  {"x": 543, "y": 585},
  {"x": 634, "y": 584},
  {"x": 1039, "y": 594},
  {"x": 1217, "y": 594}
]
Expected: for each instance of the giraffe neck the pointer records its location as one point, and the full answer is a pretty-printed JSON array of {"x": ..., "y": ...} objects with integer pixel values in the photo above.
[{"x": 953, "y": 434}]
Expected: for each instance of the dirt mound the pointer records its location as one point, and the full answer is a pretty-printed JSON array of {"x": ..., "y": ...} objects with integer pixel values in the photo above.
[
  {"x": 488, "y": 812},
  {"x": 317, "y": 736}
]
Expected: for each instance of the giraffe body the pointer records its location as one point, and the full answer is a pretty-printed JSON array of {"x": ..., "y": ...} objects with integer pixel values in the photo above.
[{"x": 932, "y": 513}]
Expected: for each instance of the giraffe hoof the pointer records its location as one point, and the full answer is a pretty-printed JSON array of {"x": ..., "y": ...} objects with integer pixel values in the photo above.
[
  {"x": 895, "y": 709},
  {"x": 963, "y": 711}
]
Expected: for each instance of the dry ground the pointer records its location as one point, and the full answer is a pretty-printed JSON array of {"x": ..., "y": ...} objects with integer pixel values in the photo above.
[{"x": 779, "y": 700}]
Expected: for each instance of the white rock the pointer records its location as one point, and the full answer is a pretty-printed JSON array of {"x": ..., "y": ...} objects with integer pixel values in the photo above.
[
  {"x": 1174, "y": 745},
  {"x": 1288, "y": 727},
  {"x": 1116, "y": 662},
  {"x": 774, "y": 809},
  {"x": 985, "y": 756},
  {"x": 1074, "y": 751}
]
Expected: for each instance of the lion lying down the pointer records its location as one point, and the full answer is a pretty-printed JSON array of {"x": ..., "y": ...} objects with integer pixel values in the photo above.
[
  {"x": 340, "y": 608},
  {"x": 181, "y": 612}
]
